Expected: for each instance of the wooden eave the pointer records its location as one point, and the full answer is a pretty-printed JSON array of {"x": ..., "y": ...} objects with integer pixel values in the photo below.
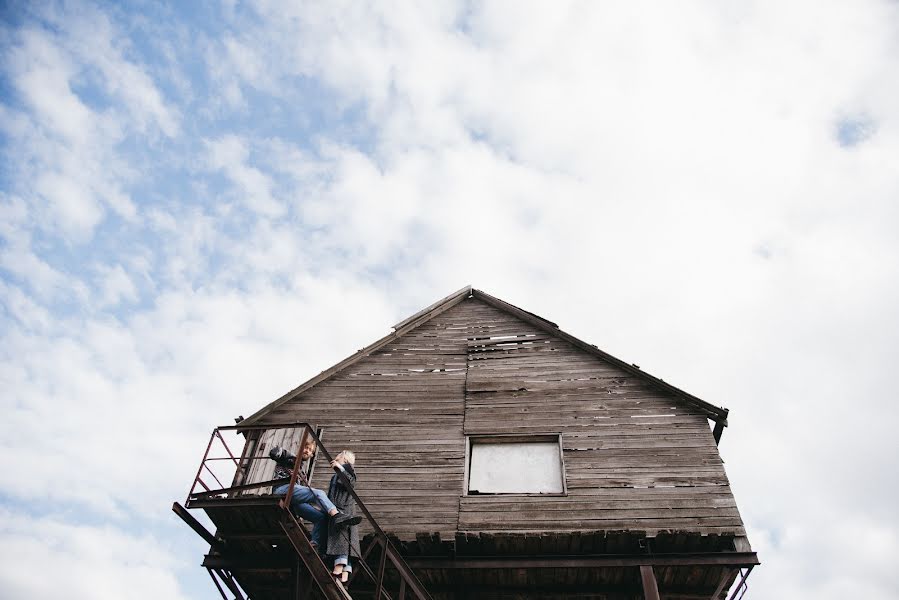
[{"x": 714, "y": 413}]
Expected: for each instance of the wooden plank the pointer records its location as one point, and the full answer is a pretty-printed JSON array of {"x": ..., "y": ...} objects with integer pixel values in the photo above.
[{"x": 648, "y": 579}]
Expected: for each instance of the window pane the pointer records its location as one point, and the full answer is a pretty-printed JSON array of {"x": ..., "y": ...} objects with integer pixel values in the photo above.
[{"x": 517, "y": 467}]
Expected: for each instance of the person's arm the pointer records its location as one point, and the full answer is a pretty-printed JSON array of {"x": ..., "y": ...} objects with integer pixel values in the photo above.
[
  {"x": 349, "y": 480},
  {"x": 282, "y": 457}
]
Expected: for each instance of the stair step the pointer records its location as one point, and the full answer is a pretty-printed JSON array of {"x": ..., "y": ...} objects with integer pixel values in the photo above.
[{"x": 299, "y": 538}]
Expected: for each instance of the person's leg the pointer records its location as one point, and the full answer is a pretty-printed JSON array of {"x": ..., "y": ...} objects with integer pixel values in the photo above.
[
  {"x": 301, "y": 505},
  {"x": 317, "y": 517},
  {"x": 302, "y": 493},
  {"x": 323, "y": 500},
  {"x": 342, "y": 567}
]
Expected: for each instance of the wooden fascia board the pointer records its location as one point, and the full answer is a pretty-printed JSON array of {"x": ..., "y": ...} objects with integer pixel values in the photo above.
[
  {"x": 717, "y": 414},
  {"x": 407, "y": 325}
]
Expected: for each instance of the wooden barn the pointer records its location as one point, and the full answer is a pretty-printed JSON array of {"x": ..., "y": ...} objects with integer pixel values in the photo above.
[{"x": 497, "y": 457}]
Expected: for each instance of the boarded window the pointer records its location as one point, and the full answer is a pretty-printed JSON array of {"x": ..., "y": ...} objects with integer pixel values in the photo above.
[{"x": 515, "y": 465}]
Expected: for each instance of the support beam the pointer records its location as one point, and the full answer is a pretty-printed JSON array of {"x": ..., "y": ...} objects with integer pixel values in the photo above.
[
  {"x": 379, "y": 584},
  {"x": 727, "y": 577},
  {"x": 217, "y": 584},
  {"x": 301, "y": 581},
  {"x": 719, "y": 429},
  {"x": 196, "y": 525},
  {"x": 232, "y": 585},
  {"x": 249, "y": 562},
  {"x": 742, "y": 586},
  {"x": 632, "y": 590},
  {"x": 239, "y": 502},
  {"x": 314, "y": 565},
  {"x": 729, "y": 559},
  {"x": 650, "y": 587}
]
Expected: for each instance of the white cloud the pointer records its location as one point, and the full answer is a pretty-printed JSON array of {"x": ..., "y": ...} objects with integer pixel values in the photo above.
[
  {"x": 75, "y": 209},
  {"x": 72, "y": 553},
  {"x": 92, "y": 38},
  {"x": 43, "y": 78},
  {"x": 18, "y": 258},
  {"x": 68, "y": 146},
  {"x": 663, "y": 182},
  {"x": 230, "y": 155},
  {"x": 116, "y": 286}
]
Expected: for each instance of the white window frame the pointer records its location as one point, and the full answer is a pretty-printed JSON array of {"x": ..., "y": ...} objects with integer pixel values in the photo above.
[{"x": 509, "y": 438}]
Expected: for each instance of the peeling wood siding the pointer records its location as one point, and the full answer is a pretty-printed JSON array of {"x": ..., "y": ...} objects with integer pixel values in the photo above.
[{"x": 635, "y": 458}]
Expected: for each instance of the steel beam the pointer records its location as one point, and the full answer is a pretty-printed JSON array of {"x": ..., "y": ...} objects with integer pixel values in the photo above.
[
  {"x": 719, "y": 429},
  {"x": 249, "y": 562},
  {"x": 579, "y": 562},
  {"x": 196, "y": 525}
]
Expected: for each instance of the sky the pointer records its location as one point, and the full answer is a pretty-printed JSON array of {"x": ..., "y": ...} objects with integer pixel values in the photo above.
[{"x": 204, "y": 204}]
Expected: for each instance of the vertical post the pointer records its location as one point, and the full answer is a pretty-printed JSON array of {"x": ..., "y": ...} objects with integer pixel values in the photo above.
[
  {"x": 200, "y": 470},
  {"x": 719, "y": 429},
  {"x": 311, "y": 470},
  {"x": 303, "y": 439},
  {"x": 246, "y": 458},
  {"x": 380, "y": 583},
  {"x": 301, "y": 581},
  {"x": 650, "y": 587},
  {"x": 285, "y": 502}
]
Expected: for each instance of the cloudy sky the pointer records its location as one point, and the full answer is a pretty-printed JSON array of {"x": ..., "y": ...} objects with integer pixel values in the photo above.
[{"x": 204, "y": 204}]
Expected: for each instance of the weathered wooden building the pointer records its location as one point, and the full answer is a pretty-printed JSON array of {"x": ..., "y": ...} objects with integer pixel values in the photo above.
[{"x": 502, "y": 458}]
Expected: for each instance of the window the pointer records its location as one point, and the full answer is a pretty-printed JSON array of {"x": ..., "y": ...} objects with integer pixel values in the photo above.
[{"x": 515, "y": 465}]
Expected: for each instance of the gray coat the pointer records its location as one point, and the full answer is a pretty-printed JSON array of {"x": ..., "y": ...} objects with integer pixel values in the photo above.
[{"x": 344, "y": 539}]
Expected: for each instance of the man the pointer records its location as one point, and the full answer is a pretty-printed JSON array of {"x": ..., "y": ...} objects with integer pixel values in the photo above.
[{"x": 310, "y": 503}]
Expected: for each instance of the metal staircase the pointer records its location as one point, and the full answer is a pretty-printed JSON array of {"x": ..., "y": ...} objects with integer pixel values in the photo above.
[{"x": 261, "y": 551}]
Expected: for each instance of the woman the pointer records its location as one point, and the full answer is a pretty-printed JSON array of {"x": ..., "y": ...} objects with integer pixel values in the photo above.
[{"x": 343, "y": 538}]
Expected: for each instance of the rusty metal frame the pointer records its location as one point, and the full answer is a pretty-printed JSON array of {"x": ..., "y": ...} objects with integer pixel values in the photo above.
[
  {"x": 409, "y": 582},
  {"x": 596, "y": 561},
  {"x": 742, "y": 587},
  {"x": 192, "y": 522},
  {"x": 216, "y": 582},
  {"x": 222, "y": 490}
]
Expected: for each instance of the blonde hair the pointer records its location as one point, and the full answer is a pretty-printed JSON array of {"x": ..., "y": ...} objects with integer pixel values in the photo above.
[{"x": 348, "y": 456}]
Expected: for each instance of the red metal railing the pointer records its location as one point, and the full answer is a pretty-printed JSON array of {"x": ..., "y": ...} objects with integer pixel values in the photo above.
[
  {"x": 217, "y": 441},
  {"x": 408, "y": 582},
  {"x": 743, "y": 586}
]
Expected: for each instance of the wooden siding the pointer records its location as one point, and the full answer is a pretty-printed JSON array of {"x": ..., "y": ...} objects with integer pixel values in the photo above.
[
  {"x": 636, "y": 458},
  {"x": 264, "y": 470}
]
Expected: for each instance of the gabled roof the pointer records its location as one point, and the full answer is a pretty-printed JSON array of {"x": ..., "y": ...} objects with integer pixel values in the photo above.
[{"x": 715, "y": 413}]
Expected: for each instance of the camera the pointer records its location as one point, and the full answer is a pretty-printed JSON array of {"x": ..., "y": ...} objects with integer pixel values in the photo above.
[{"x": 282, "y": 456}]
